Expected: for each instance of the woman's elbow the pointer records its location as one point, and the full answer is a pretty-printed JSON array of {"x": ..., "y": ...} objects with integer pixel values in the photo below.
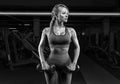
[
  {"x": 78, "y": 48},
  {"x": 39, "y": 47}
]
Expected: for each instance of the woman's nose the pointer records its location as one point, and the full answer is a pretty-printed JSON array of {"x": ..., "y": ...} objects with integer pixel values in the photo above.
[{"x": 66, "y": 16}]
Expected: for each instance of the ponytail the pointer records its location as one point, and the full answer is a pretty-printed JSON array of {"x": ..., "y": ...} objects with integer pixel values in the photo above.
[{"x": 52, "y": 22}]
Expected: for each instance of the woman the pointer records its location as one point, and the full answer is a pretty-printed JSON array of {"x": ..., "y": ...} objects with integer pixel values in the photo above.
[{"x": 59, "y": 38}]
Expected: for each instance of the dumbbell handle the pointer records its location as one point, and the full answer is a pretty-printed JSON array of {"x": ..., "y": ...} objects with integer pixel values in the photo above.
[
  {"x": 77, "y": 67},
  {"x": 38, "y": 67},
  {"x": 52, "y": 68}
]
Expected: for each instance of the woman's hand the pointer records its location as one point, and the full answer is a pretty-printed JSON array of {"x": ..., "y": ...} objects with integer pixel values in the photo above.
[
  {"x": 71, "y": 66},
  {"x": 45, "y": 66}
]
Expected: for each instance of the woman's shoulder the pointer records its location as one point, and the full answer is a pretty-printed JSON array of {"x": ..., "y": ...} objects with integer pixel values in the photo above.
[
  {"x": 71, "y": 30},
  {"x": 46, "y": 30}
]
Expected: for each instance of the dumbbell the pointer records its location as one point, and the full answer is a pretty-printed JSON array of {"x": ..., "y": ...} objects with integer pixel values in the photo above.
[
  {"x": 76, "y": 70},
  {"x": 51, "y": 69}
]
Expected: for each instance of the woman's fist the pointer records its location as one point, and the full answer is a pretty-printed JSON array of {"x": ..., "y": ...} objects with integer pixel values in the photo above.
[
  {"x": 71, "y": 66},
  {"x": 45, "y": 66}
]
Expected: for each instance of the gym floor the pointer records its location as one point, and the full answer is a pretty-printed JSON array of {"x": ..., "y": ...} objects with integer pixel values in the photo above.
[{"x": 90, "y": 73}]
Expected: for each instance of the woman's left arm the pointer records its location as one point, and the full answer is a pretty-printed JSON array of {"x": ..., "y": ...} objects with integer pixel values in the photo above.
[{"x": 77, "y": 46}]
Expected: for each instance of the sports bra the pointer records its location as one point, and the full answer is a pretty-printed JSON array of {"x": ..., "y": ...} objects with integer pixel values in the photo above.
[{"x": 59, "y": 40}]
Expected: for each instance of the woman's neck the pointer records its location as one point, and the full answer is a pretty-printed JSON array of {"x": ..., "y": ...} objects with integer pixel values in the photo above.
[{"x": 59, "y": 24}]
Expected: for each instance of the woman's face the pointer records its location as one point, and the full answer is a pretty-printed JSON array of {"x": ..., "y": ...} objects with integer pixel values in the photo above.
[{"x": 63, "y": 14}]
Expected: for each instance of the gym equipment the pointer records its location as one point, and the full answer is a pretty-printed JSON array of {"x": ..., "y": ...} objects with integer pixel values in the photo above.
[
  {"x": 53, "y": 68},
  {"x": 39, "y": 68},
  {"x": 48, "y": 13}
]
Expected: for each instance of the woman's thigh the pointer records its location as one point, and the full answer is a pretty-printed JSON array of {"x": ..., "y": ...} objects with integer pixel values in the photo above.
[
  {"x": 58, "y": 77},
  {"x": 65, "y": 77},
  {"x": 51, "y": 77}
]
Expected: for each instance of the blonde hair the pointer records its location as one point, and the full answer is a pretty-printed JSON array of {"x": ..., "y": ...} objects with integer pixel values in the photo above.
[{"x": 54, "y": 14}]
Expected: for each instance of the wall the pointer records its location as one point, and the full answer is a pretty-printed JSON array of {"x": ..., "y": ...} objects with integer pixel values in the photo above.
[{"x": 82, "y": 3}]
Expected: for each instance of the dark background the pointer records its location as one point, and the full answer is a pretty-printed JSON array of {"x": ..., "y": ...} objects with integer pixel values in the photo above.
[{"x": 46, "y": 5}]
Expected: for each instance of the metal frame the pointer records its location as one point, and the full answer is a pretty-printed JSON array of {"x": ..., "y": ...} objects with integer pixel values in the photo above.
[{"x": 72, "y": 13}]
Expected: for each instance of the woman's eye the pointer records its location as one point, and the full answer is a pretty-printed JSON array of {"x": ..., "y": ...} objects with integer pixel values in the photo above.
[{"x": 63, "y": 13}]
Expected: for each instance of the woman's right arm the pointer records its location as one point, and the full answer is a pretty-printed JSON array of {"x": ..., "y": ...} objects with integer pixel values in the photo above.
[{"x": 41, "y": 47}]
